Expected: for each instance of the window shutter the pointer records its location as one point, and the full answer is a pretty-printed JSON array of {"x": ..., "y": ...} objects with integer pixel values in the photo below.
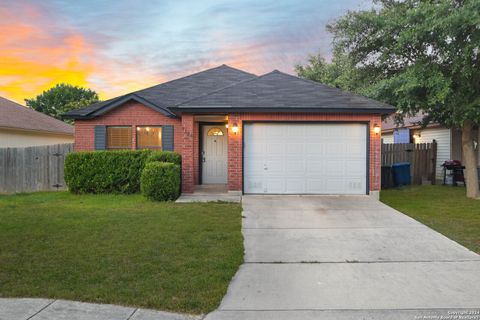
[
  {"x": 167, "y": 138},
  {"x": 100, "y": 137}
]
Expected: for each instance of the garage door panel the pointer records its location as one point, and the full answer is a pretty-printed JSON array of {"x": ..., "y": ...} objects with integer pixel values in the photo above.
[
  {"x": 338, "y": 148},
  {"x": 273, "y": 149},
  {"x": 295, "y": 133},
  {"x": 335, "y": 185},
  {"x": 254, "y": 183},
  {"x": 355, "y": 150},
  {"x": 254, "y": 149},
  {"x": 274, "y": 166},
  {"x": 334, "y": 168},
  {"x": 294, "y": 166},
  {"x": 294, "y": 149},
  {"x": 315, "y": 167},
  {"x": 314, "y": 184},
  {"x": 274, "y": 132},
  {"x": 275, "y": 185},
  {"x": 295, "y": 186},
  {"x": 305, "y": 158},
  {"x": 354, "y": 168},
  {"x": 254, "y": 167},
  {"x": 314, "y": 148}
]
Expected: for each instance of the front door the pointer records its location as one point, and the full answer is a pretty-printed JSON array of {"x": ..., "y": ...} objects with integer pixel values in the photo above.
[{"x": 214, "y": 154}]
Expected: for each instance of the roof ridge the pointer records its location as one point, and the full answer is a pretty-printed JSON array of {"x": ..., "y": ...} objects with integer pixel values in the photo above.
[
  {"x": 193, "y": 74},
  {"x": 218, "y": 90}
]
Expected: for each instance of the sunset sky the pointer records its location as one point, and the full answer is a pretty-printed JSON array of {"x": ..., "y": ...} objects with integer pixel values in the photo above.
[{"x": 115, "y": 47}]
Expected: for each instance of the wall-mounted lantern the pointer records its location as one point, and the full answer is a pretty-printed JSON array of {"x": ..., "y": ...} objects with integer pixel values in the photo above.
[
  {"x": 235, "y": 128},
  {"x": 376, "y": 129}
]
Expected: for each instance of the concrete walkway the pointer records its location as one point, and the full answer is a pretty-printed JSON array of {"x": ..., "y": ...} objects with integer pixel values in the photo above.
[
  {"x": 347, "y": 257},
  {"x": 46, "y": 309}
]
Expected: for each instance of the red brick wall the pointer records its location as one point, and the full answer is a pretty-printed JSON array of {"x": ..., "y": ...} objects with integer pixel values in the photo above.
[
  {"x": 188, "y": 153},
  {"x": 186, "y": 139},
  {"x": 131, "y": 114},
  {"x": 235, "y": 141}
]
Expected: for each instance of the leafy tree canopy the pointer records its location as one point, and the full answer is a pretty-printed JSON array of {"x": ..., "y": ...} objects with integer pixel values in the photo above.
[
  {"x": 420, "y": 55},
  {"x": 62, "y": 98}
]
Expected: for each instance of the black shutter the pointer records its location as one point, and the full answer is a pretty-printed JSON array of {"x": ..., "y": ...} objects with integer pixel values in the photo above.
[
  {"x": 100, "y": 137},
  {"x": 167, "y": 138}
]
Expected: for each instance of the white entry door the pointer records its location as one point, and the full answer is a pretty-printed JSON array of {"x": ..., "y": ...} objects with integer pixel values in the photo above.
[
  {"x": 214, "y": 154},
  {"x": 283, "y": 158}
]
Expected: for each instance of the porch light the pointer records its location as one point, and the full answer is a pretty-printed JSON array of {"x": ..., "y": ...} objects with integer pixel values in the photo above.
[
  {"x": 226, "y": 125},
  {"x": 376, "y": 129},
  {"x": 235, "y": 128}
]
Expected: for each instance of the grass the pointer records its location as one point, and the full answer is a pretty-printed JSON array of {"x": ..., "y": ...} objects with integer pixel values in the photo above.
[
  {"x": 443, "y": 208},
  {"x": 119, "y": 249}
]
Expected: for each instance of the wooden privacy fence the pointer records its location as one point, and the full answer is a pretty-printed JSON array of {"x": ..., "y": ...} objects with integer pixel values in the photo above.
[
  {"x": 33, "y": 168},
  {"x": 422, "y": 158}
]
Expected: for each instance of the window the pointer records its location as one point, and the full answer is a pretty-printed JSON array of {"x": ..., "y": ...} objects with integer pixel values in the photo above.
[
  {"x": 215, "y": 132},
  {"x": 119, "y": 138},
  {"x": 149, "y": 137}
]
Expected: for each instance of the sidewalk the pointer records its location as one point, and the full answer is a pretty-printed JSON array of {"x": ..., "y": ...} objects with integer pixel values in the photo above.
[{"x": 49, "y": 309}]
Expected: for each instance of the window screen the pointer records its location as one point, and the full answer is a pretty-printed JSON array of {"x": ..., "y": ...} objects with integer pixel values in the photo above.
[
  {"x": 149, "y": 137},
  {"x": 119, "y": 137}
]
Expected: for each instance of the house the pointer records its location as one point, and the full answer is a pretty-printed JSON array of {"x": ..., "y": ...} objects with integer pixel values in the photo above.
[
  {"x": 269, "y": 134},
  {"x": 449, "y": 141},
  {"x": 23, "y": 127}
]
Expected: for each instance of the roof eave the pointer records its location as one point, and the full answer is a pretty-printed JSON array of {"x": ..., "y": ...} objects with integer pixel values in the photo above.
[
  {"x": 225, "y": 109},
  {"x": 117, "y": 103}
]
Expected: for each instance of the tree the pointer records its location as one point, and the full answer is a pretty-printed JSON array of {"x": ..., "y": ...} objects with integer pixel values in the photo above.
[
  {"x": 62, "y": 98},
  {"x": 340, "y": 73},
  {"x": 421, "y": 55}
]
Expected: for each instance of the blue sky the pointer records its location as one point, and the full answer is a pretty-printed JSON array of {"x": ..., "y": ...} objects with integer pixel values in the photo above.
[{"x": 118, "y": 46}]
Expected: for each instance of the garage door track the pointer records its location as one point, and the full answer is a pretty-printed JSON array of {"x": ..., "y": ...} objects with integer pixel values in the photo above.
[{"x": 346, "y": 257}]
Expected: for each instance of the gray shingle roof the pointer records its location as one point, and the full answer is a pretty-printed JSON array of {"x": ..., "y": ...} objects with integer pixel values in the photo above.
[
  {"x": 224, "y": 89},
  {"x": 16, "y": 116},
  {"x": 172, "y": 93},
  {"x": 281, "y": 91}
]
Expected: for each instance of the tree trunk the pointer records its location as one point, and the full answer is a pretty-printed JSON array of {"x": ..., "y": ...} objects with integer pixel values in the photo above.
[{"x": 470, "y": 160}]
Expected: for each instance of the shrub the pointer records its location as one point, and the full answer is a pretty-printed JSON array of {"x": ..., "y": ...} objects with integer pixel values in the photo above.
[
  {"x": 165, "y": 156},
  {"x": 105, "y": 171},
  {"x": 161, "y": 181}
]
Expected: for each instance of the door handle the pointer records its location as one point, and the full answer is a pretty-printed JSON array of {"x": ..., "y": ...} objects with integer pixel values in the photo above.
[{"x": 203, "y": 159}]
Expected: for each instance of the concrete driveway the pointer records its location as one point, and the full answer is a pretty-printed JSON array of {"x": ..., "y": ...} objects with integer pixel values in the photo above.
[{"x": 346, "y": 257}]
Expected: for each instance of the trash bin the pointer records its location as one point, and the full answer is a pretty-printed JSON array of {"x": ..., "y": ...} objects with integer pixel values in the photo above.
[{"x": 401, "y": 174}]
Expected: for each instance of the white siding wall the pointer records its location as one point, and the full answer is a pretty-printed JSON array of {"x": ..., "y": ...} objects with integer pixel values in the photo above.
[
  {"x": 20, "y": 139},
  {"x": 387, "y": 137},
  {"x": 443, "y": 138}
]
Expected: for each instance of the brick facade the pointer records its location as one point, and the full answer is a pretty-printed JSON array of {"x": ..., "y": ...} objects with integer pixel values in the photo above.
[
  {"x": 187, "y": 137},
  {"x": 130, "y": 114}
]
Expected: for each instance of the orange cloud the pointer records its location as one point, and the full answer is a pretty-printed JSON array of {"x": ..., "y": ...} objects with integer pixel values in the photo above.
[{"x": 34, "y": 58}]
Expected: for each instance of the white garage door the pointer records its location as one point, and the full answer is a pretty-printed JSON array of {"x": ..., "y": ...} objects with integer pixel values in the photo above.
[{"x": 282, "y": 158}]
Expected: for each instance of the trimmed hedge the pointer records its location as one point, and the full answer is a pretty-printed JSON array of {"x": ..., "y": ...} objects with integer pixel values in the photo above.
[
  {"x": 165, "y": 156},
  {"x": 105, "y": 171},
  {"x": 161, "y": 181}
]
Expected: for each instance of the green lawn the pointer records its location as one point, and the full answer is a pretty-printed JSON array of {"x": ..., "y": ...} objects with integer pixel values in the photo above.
[
  {"x": 119, "y": 249},
  {"x": 443, "y": 208}
]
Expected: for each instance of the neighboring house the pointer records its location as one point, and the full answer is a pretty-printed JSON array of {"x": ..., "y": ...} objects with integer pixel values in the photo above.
[
  {"x": 23, "y": 127},
  {"x": 269, "y": 134},
  {"x": 449, "y": 141}
]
